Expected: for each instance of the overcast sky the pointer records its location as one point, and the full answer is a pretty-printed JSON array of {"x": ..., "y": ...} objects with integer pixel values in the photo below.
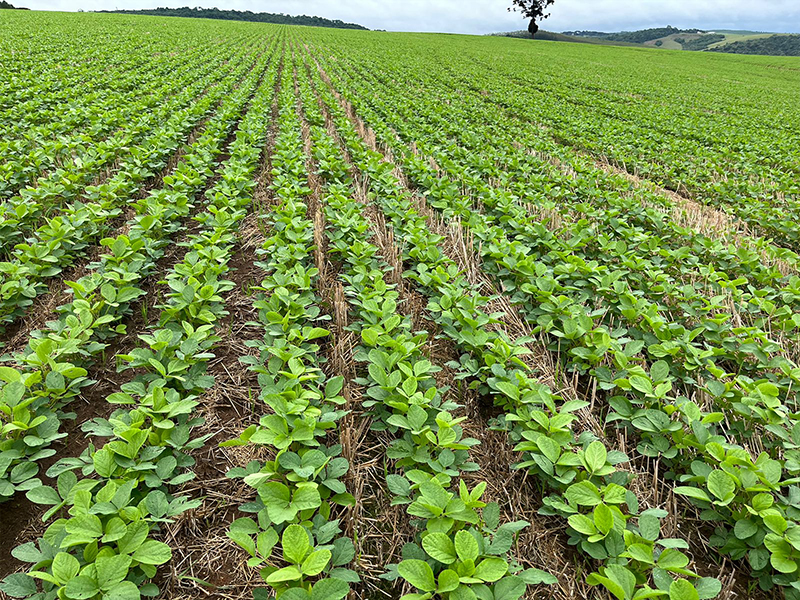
[{"x": 486, "y": 16}]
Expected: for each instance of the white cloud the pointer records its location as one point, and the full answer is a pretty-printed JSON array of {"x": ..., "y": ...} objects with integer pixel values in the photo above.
[{"x": 475, "y": 16}]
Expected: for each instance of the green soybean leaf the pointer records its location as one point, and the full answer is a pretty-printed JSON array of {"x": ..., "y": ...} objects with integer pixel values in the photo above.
[
  {"x": 463, "y": 592},
  {"x": 744, "y": 528},
  {"x": 603, "y": 518},
  {"x": 549, "y": 448},
  {"x": 649, "y": 527},
  {"x": 582, "y": 524},
  {"x": 721, "y": 485},
  {"x": 448, "y": 581},
  {"x": 19, "y": 585},
  {"x": 291, "y": 573},
  {"x": 692, "y": 492},
  {"x": 782, "y": 563},
  {"x": 418, "y": 573},
  {"x": 707, "y": 587},
  {"x": 466, "y": 546},
  {"x": 43, "y": 495},
  {"x": 775, "y": 521},
  {"x": 125, "y": 590},
  {"x": 86, "y": 526},
  {"x": 584, "y": 493},
  {"x": 595, "y": 456},
  {"x": 134, "y": 538},
  {"x": 398, "y": 485},
  {"x": 315, "y": 562},
  {"x": 153, "y": 552},
  {"x": 681, "y": 589},
  {"x": 65, "y": 567},
  {"x": 491, "y": 515},
  {"x": 295, "y": 543},
  {"x": 672, "y": 559},
  {"x": 509, "y": 588},
  {"x": 537, "y": 576},
  {"x": 491, "y": 569},
  {"x": 81, "y": 588},
  {"x": 440, "y": 547},
  {"x": 296, "y": 593},
  {"x": 329, "y": 589},
  {"x": 111, "y": 570},
  {"x": 114, "y": 530}
]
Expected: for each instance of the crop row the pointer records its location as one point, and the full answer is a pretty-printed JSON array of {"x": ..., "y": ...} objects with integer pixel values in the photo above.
[
  {"x": 677, "y": 332},
  {"x": 644, "y": 401},
  {"x": 580, "y": 468},
  {"x": 718, "y": 150},
  {"x": 302, "y": 485},
  {"x": 47, "y": 195},
  {"x": 66, "y": 143},
  {"x": 65, "y": 237},
  {"x": 51, "y": 370},
  {"x": 107, "y": 548},
  {"x": 459, "y": 533},
  {"x": 688, "y": 337}
]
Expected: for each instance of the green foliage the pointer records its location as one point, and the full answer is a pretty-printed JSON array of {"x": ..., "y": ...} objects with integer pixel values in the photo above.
[
  {"x": 299, "y": 488},
  {"x": 700, "y": 43},
  {"x": 601, "y": 513},
  {"x": 51, "y": 369},
  {"x": 645, "y": 35},
  {"x": 773, "y": 45},
  {"x": 242, "y": 15},
  {"x": 102, "y": 545},
  {"x": 430, "y": 449},
  {"x": 679, "y": 337}
]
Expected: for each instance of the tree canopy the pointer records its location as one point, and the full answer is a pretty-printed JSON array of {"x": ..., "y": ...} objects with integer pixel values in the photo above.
[
  {"x": 774, "y": 45},
  {"x": 533, "y": 10},
  {"x": 238, "y": 15}
]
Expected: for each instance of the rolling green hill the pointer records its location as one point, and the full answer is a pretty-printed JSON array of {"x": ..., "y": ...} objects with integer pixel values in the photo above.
[
  {"x": 672, "y": 38},
  {"x": 773, "y": 45},
  {"x": 552, "y": 36}
]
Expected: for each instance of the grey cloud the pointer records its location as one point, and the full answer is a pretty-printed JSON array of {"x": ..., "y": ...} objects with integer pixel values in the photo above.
[{"x": 472, "y": 16}]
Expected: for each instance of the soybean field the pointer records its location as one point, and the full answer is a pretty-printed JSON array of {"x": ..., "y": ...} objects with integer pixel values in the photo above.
[{"x": 311, "y": 314}]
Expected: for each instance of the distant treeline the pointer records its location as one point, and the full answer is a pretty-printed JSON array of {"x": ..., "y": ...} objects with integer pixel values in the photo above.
[
  {"x": 587, "y": 33},
  {"x": 4, "y": 4},
  {"x": 701, "y": 43},
  {"x": 634, "y": 37},
  {"x": 523, "y": 34},
  {"x": 774, "y": 45},
  {"x": 560, "y": 37},
  {"x": 238, "y": 15},
  {"x": 645, "y": 35}
]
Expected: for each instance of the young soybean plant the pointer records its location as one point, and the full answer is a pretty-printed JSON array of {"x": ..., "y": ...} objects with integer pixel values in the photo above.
[
  {"x": 298, "y": 488},
  {"x": 460, "y": 552},
  {"x": 51, "y": 370},
  {"x": 102, "y": 548},
  {"x": 735, "y": 490},
  {"x": 591, "y": 491}
]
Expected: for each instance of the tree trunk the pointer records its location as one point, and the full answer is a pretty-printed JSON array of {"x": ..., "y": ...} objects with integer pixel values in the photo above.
[{"x": 533, "y": 27}]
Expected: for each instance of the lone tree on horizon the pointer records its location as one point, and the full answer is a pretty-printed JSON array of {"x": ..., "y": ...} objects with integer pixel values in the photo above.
[{"x": 533, "y": 10}]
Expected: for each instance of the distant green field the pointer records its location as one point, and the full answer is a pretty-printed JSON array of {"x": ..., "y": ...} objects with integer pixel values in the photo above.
[
  {"x": 322, "y": 314},
  {"x": 740, "y": 37},
  {"x": 674, "y": 41},
  {"x": 669, "y": 42},
  {"x": 551, "y": 36}
]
